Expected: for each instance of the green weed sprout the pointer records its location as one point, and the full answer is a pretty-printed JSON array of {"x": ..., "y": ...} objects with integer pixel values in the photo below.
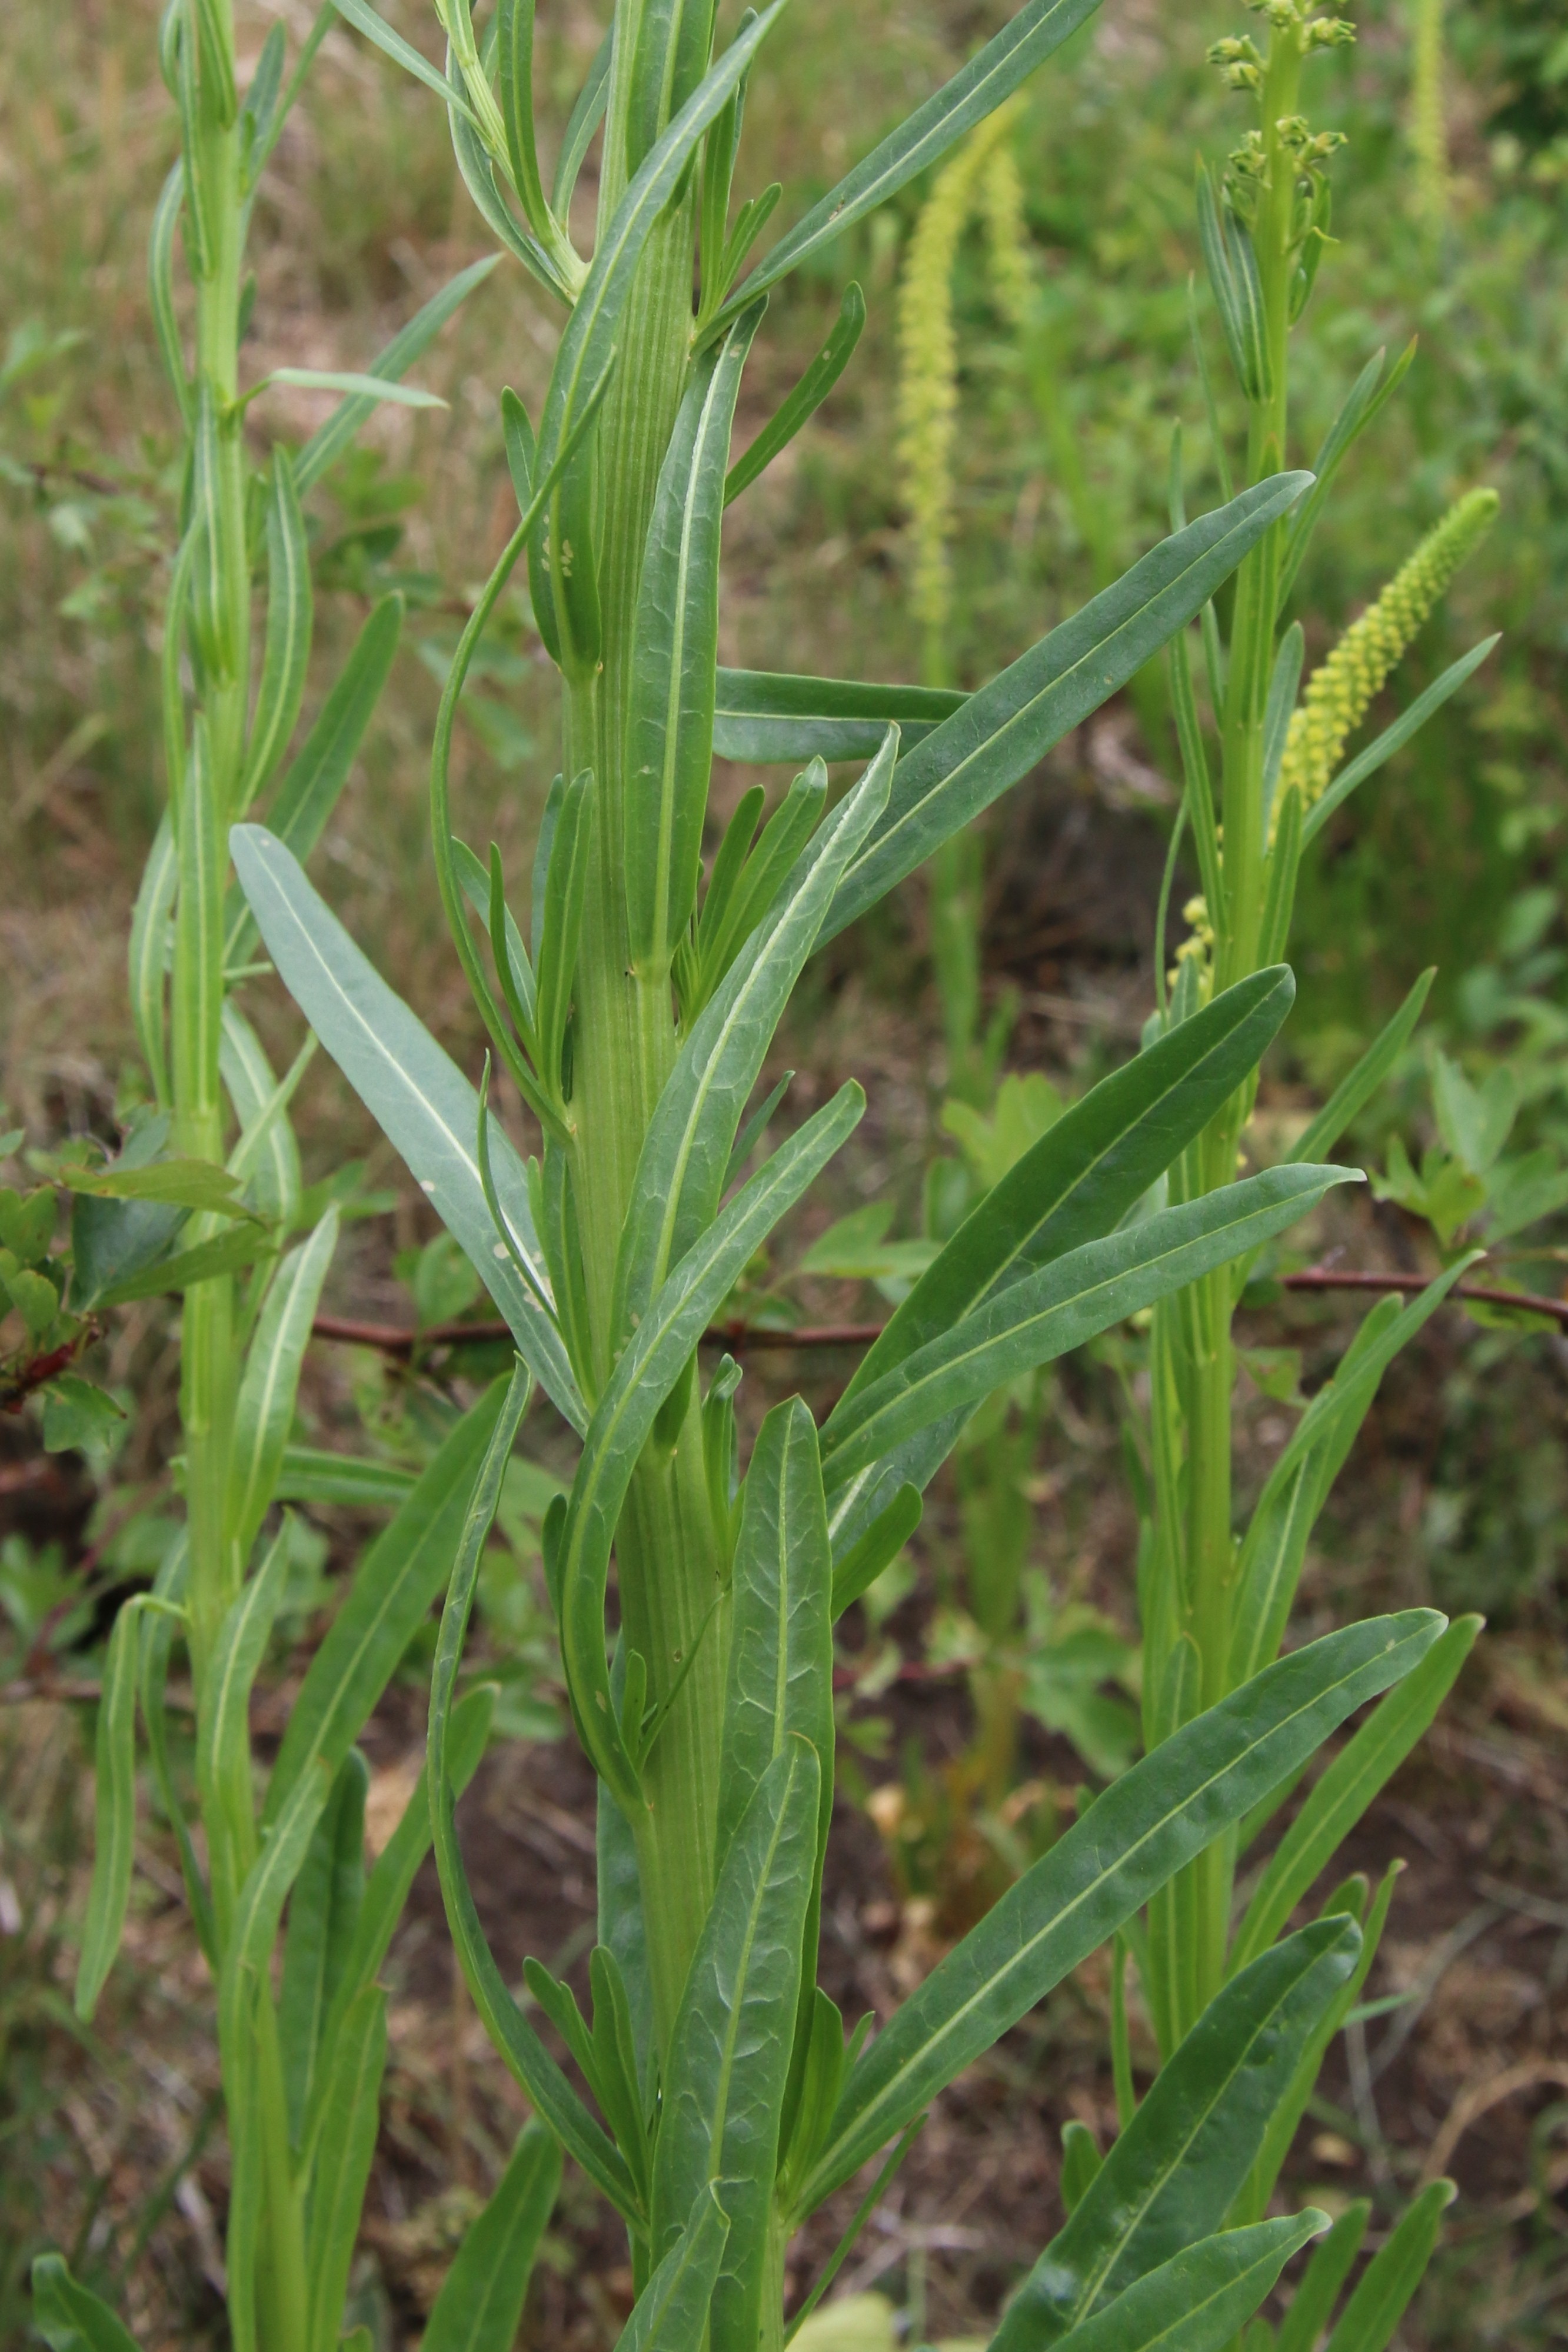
[
  {"x": 631, "y": 996},
  {"x": 203, "y": 1202},
  {"x": 1215, "y": 1605}
]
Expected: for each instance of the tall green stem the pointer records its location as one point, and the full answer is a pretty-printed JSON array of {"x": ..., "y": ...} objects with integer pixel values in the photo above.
[
  {"x": 1196, "y": 1347},
  {"x": 626, "y": 1047},
  {"x": 204, "y": 802}
]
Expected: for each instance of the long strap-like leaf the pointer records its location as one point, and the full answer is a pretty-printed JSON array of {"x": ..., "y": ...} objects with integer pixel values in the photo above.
[
  {"x": 482, "y": 2296},
  {"x": 669, "y": 723},
  {"x": 509, "y": 2029},
  {"x": 397, "y": 1579},
  {"x": 1084, "y": 1175},
  {"x": 729, "y": 2049},
  {"x": 649, "y": 1368},
  {"x": 1142, "y": 1830},
  {"x": 973, "y": 93},
  {"x": 1039, "y": 1319},
  {"x": 1201, "y": 2298},
  {"x": 685, "y": 1152},
  {"x": 1175, "y": 2172},
  {"x": 415, "y": 1089},
  {"x": 1004, "y": 730}
]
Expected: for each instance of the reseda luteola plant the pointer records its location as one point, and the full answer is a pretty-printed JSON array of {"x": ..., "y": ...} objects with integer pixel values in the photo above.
[
  {"x": 1214, "y": 1606},
  {"x": 631, "y": 1009},
  {"x": 201, "y": 1203}
]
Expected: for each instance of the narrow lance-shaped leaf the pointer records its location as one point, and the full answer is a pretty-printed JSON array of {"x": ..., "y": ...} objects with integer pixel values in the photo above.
[
  {"x": 227, "y": 1253},
  {"x": 669, "y": 722},
  {"x": 1175, "y": 2172},
  {"x": 1324, "y": 2276},
  {"x": 747, "y": 880},
  {"x": 1077, "y": 1183},
  {"x": 192, "y": 1184},
  {"x": 161, "y": 285},
  {"x": 70, "y": 2316},
  {"x": 1362, "y": 404},
  {"x": 582, "y": 124},
  {"x": 650, "y": 1366},
  {"x": 157, "y": 1634},
  {"x": 806, "y": 398},
  {"x": 1292, "y": 2106},
  {"x": 1142, "y": 1830},
  {"x": 590, "y": 332},
  {"x": 273, "y": 1174},
  {"x": 482, "y": 176},
  {"x": 312, "y": 1473},
  {"x": 388, "y": 1883},
  {"x": 397, "y": 1579},
  {"x": 762, "y": 715},
  {"x": 512, "y": 2035},
  {"x": 322, "y": 1918},
  {"x": 348, "y": 2145},
  {"x": 1356, "y": 1088},
  {"x": 864, "y": 1561},
  {"x": 427, "y": 1107},
  {"x": 729, "y": 2049},
  {"x": 670, "y": 2313},
  {"x": 308, "y": 793},
  {"x": 622, "y": 1928},
  {"x": 329, "y": 440},
  {"x": 1092, "y": 1167},
  {"x": 536, "y": 1089},
  {"x": 515, "y": 67},
  {"x": 1274, "y": 1547},
  {"x": 1384, "y": 2289},
  {"x": 781, "y": 1673},
  {"x": 1349, "y": 1786},
  {"x": 149, "y": 953},
  {"x": 481, "y": 2300},
  {"x": 114, "y": 1804},
  {"x": 222, "y": 1729},
  {"x": 1392, "y": 738},
  {"x": 290, "y": 612},
  {"x": 1202, "y": 2297},
  {"x": 680, "y": 1171},
  {"x": 264, "y": 1409},
  {"x": 1035, "y": 1321},
  {"x": 973, "y": 93},
  {"x": 566, "y": 883},
  {"x": 256, "y": 1914},
  {"x": 1004, "y": 730}
]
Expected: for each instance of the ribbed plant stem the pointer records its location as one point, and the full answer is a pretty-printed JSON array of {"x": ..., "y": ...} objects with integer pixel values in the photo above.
[
  {"x": 624, "y": 1048},
  {"x": 1201, "y": 1394},
  {"x": 206, "y": 799}
]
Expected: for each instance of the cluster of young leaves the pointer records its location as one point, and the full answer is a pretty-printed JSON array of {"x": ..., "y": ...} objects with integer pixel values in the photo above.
[
  {"x": 1467, "y": 1180},
  {"x": 42, "y": 1336}
]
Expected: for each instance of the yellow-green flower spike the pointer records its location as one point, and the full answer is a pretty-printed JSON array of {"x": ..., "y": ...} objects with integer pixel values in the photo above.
[
  {"x": 1000, "y": 198},
  {"x": 1428, "y": 125},
  {"x": 1341, "y": 690},
  {"x": 981, "y": 180}
]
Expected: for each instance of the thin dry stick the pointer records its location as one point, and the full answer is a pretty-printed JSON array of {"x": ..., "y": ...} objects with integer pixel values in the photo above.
[{"x": 396, "y": 1339}]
